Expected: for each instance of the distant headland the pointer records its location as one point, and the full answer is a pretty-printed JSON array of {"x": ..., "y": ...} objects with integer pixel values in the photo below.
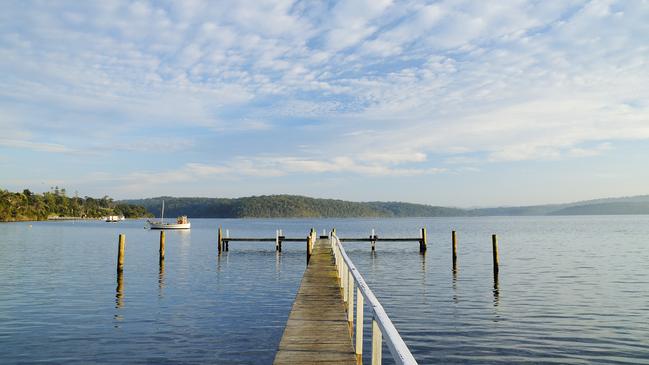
[{"x": 295, "y": 206}]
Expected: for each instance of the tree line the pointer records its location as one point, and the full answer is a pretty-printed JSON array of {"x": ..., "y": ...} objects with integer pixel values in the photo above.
[
  {"x": 284, "y": 206},
  {"x": 26, "y": 205}
]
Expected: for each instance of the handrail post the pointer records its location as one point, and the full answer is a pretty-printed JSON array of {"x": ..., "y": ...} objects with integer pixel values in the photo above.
[
  {"x": 345, "y": 281},
  {"x": 359, "y": 323},
  {"x": 350, "y": 299},
  {"x": 377, "y": 343}
]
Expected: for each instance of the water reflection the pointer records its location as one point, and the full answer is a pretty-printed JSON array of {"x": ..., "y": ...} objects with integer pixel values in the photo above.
[
  {"x": 119, "y": 291},
  {"x": 496, "y": 290},
  {"x": 456, "y": 300},
  {"x": 278, "y": 263},
  {"x": 161, "y": 278},
  {"x": 119, "y": 298}
]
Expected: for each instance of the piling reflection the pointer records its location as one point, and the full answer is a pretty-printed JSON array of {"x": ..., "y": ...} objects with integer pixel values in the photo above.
[
  {"x": 496, "y": 290},
  {"x": 456, "y": 299},
  {"x": 278, "y": 263},
  {"x": 119, "y": 291},
  {"x": 161, "y": 277}
]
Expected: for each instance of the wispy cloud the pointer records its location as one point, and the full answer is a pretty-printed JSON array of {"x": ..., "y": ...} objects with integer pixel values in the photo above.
[
  {"x": 383, "y": 88},
  {"x": 35, "y": 146}
]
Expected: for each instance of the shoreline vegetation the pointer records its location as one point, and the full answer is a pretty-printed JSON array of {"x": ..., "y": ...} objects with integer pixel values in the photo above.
[
  {"x": 56, "y": 205},
  {"x": 295, "y": 206}
]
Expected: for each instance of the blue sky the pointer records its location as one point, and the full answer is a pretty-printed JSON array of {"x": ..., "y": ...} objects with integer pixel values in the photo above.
[{"x": 462, "y": 103}]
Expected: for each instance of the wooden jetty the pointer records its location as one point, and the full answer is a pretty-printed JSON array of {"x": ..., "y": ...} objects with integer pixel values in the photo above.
[
  {"x": 321, "y": 323},
  {"x": 317, "y": 330}
]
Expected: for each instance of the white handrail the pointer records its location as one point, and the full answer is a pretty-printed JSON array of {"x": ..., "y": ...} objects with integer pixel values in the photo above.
[{"x": 399, "y": 350}]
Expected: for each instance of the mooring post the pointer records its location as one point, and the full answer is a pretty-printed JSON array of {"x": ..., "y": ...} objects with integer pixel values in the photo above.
[
  {"x": 120, "y": 252},
  {"x": 277, "y": 240},
  {"x": 162, "y": 245},
  {"x": 227, "y": 241},
  {"x": 494, "y": 244},
  {"x": 220, "y": 240},
  {"x": 424, "y": 240},
  {"x": 454, "y": 245},
  {"x": 373, "y": 240}
]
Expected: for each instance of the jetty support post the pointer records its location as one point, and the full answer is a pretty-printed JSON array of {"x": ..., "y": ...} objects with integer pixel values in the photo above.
[
  {"x": 277, "y": 240},
  {"x": 120, "y": 252},
  {"x": 494, "y": 244},
  {"x": 373, "y": 240},
  {"x": 454, "y": 246},
  {"x": 220, "y": 240},
  {"x": 162, "y": 245},
  {"x": 423, "y": 242},
  {"x": 308, "y": 246},
  {"x": 227, "y": 241}
]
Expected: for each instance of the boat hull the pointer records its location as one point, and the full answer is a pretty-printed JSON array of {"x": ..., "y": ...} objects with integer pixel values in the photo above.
[{"x": 160, "y": 225}]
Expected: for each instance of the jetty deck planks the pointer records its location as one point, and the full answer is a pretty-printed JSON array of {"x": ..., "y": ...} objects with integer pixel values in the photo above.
[{"x": 317, "y": 330}]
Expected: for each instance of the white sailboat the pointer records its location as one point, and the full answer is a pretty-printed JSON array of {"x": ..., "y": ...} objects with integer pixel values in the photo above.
[{"x": 181, "y": 222}]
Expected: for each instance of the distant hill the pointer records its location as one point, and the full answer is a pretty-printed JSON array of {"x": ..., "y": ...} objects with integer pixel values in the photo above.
[
  {"x": 625, "y": 205},
  {"x": 287, "y": 206},
  {"x": 278, "y": 206}
]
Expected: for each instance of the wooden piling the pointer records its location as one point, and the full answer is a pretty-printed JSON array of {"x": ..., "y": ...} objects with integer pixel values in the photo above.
[
  {"x": 220, "y": 240},
  {"x": 424, "y": 241},
  {"x": 308, "y": 247},
  {"x": 162, "y": 245},
  {"x": 373, "y": 240},
  {"x": 494, "y": 244},
  {"x": 120, "y": 252},
  {"x": 454, "y": 243}
]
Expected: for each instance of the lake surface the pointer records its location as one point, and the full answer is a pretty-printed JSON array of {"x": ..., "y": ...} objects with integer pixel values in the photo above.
[{"x": 571, "y": 290}]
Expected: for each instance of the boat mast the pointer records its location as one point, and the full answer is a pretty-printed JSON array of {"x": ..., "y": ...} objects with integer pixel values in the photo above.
[{"x": 162, "y": 216}]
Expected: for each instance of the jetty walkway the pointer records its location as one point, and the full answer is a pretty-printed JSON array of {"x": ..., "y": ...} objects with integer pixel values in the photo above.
[{"x": 317, "y": 330}]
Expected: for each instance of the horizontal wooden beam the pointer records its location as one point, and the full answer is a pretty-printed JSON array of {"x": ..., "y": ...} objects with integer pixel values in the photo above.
[
  {"x": 260, "y": 239},
  {"x": 365, "y": 239},
  {"x": 377, "y": 239}
]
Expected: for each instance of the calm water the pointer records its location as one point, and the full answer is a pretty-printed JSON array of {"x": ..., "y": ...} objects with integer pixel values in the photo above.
[{"x": 571, "y": 290}]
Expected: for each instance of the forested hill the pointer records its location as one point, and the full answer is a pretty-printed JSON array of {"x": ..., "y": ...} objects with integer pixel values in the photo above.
[
  {"x": 282, "y": 206},
  {"x": 285, "y": 206},
  {"x": 30, "y": 206}
]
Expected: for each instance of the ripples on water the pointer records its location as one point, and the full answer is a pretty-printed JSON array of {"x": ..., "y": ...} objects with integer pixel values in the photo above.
[{"x": 571, "y": 290}]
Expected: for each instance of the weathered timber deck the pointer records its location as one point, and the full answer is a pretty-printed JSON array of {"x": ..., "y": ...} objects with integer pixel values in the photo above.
[{"x": 317, "y": 331}]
